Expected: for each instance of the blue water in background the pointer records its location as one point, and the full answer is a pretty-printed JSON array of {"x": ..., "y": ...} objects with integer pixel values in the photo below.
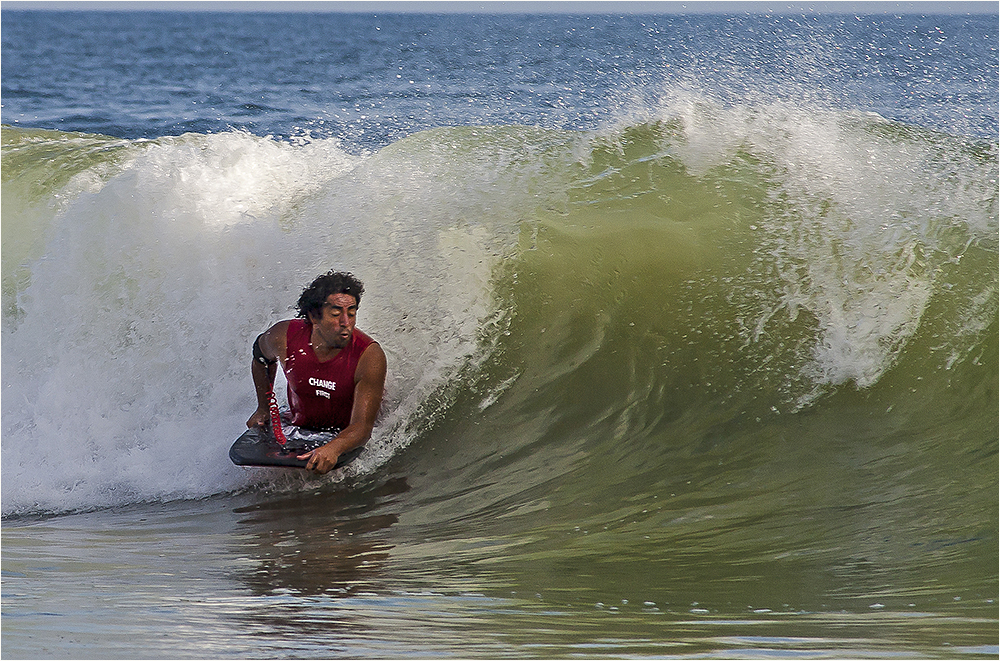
[
  {"x": 371, "y": 79},
  {"x": 705, "y": 364}
]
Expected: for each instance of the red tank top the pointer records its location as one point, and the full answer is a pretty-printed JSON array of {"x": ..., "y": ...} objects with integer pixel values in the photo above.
[{"x": 320, "y": 395}]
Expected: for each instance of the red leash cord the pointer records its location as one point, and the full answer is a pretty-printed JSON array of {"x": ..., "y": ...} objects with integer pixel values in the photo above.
[{"x": 279, "y": 435}]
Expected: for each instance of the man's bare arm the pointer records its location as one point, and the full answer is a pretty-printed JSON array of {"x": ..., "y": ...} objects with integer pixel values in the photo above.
[{"x": 272, "y": 347}]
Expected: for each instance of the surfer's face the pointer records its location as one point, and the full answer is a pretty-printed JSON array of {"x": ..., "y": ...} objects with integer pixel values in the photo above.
[{"x": 335, "y": 323}]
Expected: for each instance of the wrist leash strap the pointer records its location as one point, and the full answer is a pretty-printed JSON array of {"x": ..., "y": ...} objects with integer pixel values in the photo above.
[{"x": 279, "y": 435}]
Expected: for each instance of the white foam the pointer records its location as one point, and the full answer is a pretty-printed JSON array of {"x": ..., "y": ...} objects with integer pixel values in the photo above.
[
  {"x": 126, "y": 375},
  {"x": 864, "y": 214}
]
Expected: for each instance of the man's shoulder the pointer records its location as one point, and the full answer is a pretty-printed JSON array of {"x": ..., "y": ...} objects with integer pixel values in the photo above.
[
  {"x": 278, "y": 333},
  {"x": 363, "y": 339},
  {"x": 364, "y": 344},
  {"x": 284, "y": 324},
  {"x": 371, "y": 359},
  {"x": 291, "y": 326}
]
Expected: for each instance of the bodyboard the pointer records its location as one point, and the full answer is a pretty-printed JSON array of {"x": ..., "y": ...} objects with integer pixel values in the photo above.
[{"x": 259, "y": 447}]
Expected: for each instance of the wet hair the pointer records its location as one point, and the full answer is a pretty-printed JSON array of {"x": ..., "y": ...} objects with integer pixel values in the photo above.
[{"x": 314, "y": 296}]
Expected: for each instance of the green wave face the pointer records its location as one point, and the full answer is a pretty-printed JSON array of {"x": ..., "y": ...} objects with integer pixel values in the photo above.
[{"x": 706, "y": 359}]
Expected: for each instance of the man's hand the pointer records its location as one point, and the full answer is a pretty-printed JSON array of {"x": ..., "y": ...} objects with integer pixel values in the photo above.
[
  {"x": 260, "y": 418},
  {"x": 321, "y": 460}
]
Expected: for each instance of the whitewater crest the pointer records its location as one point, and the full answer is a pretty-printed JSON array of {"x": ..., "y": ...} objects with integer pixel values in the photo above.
[{"x": 864, "y": 222}]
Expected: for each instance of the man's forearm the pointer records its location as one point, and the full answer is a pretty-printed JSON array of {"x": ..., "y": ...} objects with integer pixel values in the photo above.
[
  {"x": 263, "y": 381},
  {"x": 351, "y": 437}
]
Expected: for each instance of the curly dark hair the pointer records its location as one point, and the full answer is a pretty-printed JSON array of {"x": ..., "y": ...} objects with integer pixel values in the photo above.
[{"x": 314, "y": 296}]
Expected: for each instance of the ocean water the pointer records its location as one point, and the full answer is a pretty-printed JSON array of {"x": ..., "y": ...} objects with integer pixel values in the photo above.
[{"x": 691, "y": 324}]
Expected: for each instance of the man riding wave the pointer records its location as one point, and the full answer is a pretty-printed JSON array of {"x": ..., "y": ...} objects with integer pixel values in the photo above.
[{"x": 335, "y": 372}]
